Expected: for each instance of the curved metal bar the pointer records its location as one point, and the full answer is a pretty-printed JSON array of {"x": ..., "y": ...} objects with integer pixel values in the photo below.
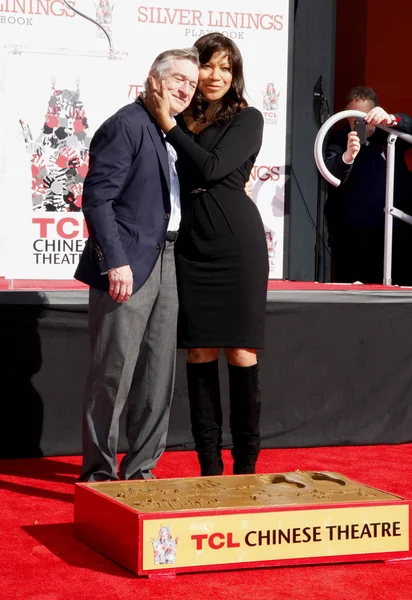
[
  {"x": 74, "y": 9},
  {"x": 320, "y": 138}
]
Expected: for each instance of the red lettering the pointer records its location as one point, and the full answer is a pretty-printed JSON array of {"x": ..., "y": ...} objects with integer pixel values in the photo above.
[
  {"x": 264, "y": 172},
  {"x": 169, "y": 16},
  {"x": 269, "y": 24},
  {"x": 142, "y": 14},
  {"x": 162, "y": 22},
  {"x": 172, "y": 17},
  {"x": 60, "y": 11},
  {"x": 275, "y": 173},
  {"x": 216, "y": 540},
  {"x": 265, "y": 175},
  {"x": 71, "y": 13},
  {"x": 211, "y": 541},
  {"x": 43, "y": 222},
  {"x": 135, "y": 89},
  {"x": 60, "y": 228},
  {"x": 254, "y": 19},
  {"x": 185, "y": 17},
  {"x": 278, "y": 22},
  {"x": 199, "y": 540},
  {"x": 197, "y": 14},
  {"x": 44, "y": 8},
  {"x": 230, "y": 542}
]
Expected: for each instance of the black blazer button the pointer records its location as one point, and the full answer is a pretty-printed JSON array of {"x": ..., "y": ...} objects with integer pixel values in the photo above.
[
  {"x": 167, "y": 216},
  {"x": 158, "y": 246}
]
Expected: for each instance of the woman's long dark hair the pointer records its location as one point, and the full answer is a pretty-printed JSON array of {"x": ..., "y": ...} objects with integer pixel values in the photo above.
[{"x": 233, "y": 101}]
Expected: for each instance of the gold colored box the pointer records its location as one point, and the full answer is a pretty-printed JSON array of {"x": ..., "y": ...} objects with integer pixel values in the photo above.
[{"x": 207, "y": 523}]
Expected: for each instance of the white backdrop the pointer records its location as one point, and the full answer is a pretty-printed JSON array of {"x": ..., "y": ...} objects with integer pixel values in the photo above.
[{"x": 59, "y": 80}]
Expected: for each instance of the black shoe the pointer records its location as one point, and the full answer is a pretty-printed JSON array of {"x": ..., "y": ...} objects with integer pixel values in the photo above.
[
  {"x": 206, "y": 415},
  {"x": 95, "y": 478},
  {"x": 244, "y": 417},
  {"x": 143, "y": 475}
]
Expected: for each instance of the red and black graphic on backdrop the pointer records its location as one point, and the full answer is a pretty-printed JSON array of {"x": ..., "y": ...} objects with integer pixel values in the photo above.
[{"x": 60, "y": 153}]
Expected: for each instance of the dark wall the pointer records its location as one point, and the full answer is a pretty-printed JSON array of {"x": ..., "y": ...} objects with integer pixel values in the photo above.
[
  {"x": 315, "y": 392},
  {"x": 350, "y": 59},
  {"x": 378, "y": 53},
  {"x": 313, "y": 55}
]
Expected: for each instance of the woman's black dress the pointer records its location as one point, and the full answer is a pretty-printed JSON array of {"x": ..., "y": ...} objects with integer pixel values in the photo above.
[{"x": 221, "y": 251}]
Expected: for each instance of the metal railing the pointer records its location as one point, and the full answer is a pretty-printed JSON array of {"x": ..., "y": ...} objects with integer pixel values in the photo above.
[{"x": 390, "y": 210}]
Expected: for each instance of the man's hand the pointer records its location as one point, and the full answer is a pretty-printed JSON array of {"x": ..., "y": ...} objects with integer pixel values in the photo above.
[
  {"x": 121, "y": 283},
  {"x": 378, "y": 116},
  {"x": 353, "y": 147}
]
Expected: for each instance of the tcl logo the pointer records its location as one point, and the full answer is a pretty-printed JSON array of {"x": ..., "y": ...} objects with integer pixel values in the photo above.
[
  {"x": 66, "y": 228},
  {"x": 215, "y": 541}
]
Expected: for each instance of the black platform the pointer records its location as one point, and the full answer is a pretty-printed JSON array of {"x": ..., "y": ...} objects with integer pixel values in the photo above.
[{"x": 336, "y": 369}]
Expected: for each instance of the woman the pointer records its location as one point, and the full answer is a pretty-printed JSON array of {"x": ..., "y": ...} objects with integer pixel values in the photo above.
[{"x": 221, "y": 252}]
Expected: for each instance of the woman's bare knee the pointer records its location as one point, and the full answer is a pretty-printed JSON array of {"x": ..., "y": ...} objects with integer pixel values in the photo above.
[
  {"x": 241, "y": 357},
  {"x": 200, "y": 355}
]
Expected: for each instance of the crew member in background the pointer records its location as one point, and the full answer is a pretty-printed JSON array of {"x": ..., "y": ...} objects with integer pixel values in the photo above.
[{"x": 355, "y": 209}]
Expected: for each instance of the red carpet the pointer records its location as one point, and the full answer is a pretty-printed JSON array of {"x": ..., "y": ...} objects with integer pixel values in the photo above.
[
  {"x": 273, "y": 285},
  {"x": 41, "y": 560}
]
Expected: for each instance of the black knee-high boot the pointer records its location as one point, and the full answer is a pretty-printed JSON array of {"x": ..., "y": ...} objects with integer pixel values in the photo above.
[
  {"x": 244, "y": 417},
  {"x": 206, "y": 415}
]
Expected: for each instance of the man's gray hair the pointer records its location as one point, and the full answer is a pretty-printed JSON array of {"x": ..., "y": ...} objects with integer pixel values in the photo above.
[{"x": 162, "y": 62}]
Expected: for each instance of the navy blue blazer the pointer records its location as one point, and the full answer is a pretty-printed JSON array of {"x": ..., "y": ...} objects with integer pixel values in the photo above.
[{"x": 126, "y": 197}]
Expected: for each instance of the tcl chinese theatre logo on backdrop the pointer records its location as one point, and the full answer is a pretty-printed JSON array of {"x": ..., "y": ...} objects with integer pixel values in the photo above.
[
  {"x": 104, "y": 16},
  {"x": 59, "y": 240},
  {"x": 270, "y": 104}
]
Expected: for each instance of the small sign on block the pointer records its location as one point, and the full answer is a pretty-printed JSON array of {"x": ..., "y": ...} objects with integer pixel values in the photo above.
[{"x": 214, "y": 523}]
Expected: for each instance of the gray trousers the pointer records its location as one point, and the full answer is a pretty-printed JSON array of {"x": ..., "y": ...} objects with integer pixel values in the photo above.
[{"x": 133, "y": 353}]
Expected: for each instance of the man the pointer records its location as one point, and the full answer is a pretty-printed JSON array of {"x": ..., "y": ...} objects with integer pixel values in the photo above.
[
  {"x": 132, "y": 209},
  {"x": 355, "y": 210}
]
